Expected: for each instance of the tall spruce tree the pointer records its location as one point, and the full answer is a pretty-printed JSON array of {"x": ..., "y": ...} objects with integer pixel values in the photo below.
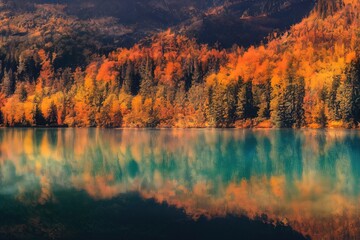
[
  {"x": 129, "y": 75},
  {"x": 320, "y": 112},
  {"x": 262, "y": 98},
  {"x": 332, "y": 101},
  {"x": 221, "y": 105},
  {"x": 287, "y": 100},
  {"x": 299, "y": 93},
  {"x": 245, "y": 101},
  {"x": 8, "y": 83},
  {"x": 349, "y": 96},
  {"x": 147, "y": 78}
]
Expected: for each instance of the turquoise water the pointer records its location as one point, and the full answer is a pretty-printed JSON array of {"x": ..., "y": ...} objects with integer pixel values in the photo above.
[{"x": 68, "y": 183}]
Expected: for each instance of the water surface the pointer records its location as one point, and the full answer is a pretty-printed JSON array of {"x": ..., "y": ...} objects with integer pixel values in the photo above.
[{"x": 67, "y": 183}]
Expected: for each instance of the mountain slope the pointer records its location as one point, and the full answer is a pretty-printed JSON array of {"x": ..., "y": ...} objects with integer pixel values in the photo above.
[
  {"x": 201, "y": 18},
  {"x": 245, "y": 22},
  {"x": 306, "y": 77}
]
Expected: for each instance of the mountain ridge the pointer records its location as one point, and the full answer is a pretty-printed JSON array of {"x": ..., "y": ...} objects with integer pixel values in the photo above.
[{"x": 149, "y": 17}]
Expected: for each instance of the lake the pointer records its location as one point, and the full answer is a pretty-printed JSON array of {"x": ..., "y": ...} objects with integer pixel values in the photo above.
[{"x": 179, "y": 184}]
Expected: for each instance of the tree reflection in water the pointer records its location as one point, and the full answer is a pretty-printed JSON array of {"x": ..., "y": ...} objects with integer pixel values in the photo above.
[{"x": 306, "y": 179}]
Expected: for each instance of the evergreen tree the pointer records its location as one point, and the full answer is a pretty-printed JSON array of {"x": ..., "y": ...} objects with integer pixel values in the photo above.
[
  {"x": 349, "y": 96},
  {"x": 196, "y": 76},
  {"x": 299, "y": 93},
  {"x": 21, "y": 68},
  {"x": 287, "y": 102},
  {"x": 332, "y": 101},
  {"x": 147, "y": 78},
  {"x": 230, "y": 104},
  {"x": 131, "y": 83},
  {"x": 129, "y": 76},
  {"x": 53, "y": 114},
  {"x": 320, "y": 112},
  {"x": 245, "y": 101},
  {"x": 39, "y": 118},
  {"x": 22, "y": 92},
  {"x": 67, "y": 79},
  {"x": 277, "y": 104},
  {"x": 262, "y": 98},
  {"x": 8, "y": 83},
  {"x": 217, "y": 101},
  {"x": 356, "y": 91}
]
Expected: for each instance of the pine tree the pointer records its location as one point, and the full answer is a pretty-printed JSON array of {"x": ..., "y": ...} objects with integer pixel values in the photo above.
[
  {"x": 217, "y": 110},
  {"x": 129, "y": 77},
  {"x": 53, "y": 114},
  {"x": 131, "y": 84},
  {"x": 344, "y": 97},
  {"x": 299, "y": 93},
  {"x": 21, "y": 68},
  {"x": 39, "y": 117},
  {"x": 356, "y": 91},
  {"x": 230, "y": 104},
  {"x": 332, "y": 102},
  {"x": 320, "y": 112},
  {"x": 8, "y": 83},
  {"x": 262, "y": 98},
  {"x": 22, "y": 92},
  {"x": 349, "y": 96},
  {"x": 147, "y": 78},
  {"x": 196, "y": 76},
  {"x": 278, "y": 105},
  {"x": 241, "y": 101},
  {"x": 288, "y": 98},
  {"x": 67, "y": 79},
  {"x": 245, "y": 101}
]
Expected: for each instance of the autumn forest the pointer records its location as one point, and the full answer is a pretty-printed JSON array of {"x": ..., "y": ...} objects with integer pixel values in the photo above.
[{"x": 307, "y": 76}]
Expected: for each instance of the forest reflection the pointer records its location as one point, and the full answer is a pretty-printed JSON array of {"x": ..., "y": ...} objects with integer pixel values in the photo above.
[{"x": 307, "y": 179}]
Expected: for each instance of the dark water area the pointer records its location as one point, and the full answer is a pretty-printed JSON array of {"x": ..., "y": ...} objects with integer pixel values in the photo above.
[
  {"x": 179, "y": 184},
  {"x": 77, "y": 216}
]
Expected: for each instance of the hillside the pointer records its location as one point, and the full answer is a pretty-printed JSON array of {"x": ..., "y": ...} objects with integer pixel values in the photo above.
[
  {"x": 245, "y": 22},
  {"x": 77, "y": 31},
  {"x": 201, "y": 18},
  {"x": 305, "y": 77}
]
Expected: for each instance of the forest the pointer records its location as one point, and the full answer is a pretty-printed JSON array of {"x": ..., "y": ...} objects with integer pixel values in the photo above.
[{"x": 307, "y": 76}]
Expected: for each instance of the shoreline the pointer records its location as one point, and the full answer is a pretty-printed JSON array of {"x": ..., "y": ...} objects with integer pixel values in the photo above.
[{"x": 179, "y": 128}]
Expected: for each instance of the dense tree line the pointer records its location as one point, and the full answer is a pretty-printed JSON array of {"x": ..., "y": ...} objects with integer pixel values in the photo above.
[{"x": 171, "y": 81}]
